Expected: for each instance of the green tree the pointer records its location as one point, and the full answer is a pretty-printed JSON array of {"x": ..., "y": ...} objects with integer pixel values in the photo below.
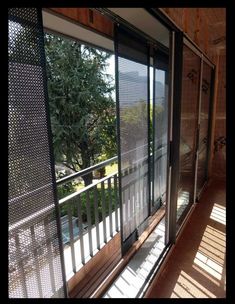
[
  {"x": 133, "y": 127},
  {"x": 81, "y": 106}
]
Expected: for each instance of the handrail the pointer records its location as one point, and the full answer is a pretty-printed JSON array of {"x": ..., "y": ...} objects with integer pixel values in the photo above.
[
  {"x": 72, "y": 176},
  {"x": 85, "y": 171},
  {"x": 79, "y": 192}
]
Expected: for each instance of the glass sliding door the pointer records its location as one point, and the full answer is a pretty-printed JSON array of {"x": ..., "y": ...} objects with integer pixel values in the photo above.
[
  {"x": 188, "y": 131},
  {"x": 204, "y": 126},
  {"x": 160, "y": 129},
  {"x": 132, "y": 112}
]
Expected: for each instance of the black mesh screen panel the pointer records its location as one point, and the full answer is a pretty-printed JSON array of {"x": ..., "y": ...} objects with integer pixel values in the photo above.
[
  {"x": 35, "y": 268},
  {"x": 132, "y": 59}
]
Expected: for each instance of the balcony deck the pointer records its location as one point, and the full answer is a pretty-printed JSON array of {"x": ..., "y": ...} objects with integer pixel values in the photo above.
[{"x": 131, "y": 281}]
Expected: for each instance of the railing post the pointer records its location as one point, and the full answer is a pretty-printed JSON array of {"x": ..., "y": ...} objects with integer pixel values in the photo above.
[
  {"x": 96, "y": 218},
  {"x": 71, "y": 237},
  {"x": 110, "y": 209},
  {"x": 103, "y": 211},
  {"x": 88, "y": 209},
  {"x": 80, "y": 229},
  {"x": 116, "y": 201}
]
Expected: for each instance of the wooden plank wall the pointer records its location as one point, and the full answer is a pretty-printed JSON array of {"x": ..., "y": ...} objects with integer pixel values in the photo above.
[
  {"x": 88, "y": 17},
  {"x": 218, "y": 161},
  {"x": 204, "y": 25},
  {"x": 192, "y": 22}
]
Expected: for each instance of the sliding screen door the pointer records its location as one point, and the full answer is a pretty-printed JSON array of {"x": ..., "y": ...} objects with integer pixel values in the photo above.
[
  {"x": 204, "y": 126},
  {"x": 160, "y": 129},
  {"x": 132, "y": 107},
  {"x": 188, "y": 130}
]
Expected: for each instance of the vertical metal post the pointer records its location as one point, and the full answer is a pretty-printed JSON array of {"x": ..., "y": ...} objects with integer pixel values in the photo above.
[
  {"x": 170, "y": 135},
  {"x": 51, "y": 153},
  {"x": 96, "y": 218},
  {"x": 148, "y": 198},
  {"x": 21, "y": 267},
  {"x": 116, "y": 202},
  {"x": 80, "y": 229},
  {"x": 103, "y": 212},
  {"x": 71, "y": 237},
  {"x": 176, "y": 78},
  {"x": 36, "y": 257},
  {"x": 211, "y": 106},
  {"x": 110, "y": 209},
  {"x": 154, "y": 129},
  {"x": 88, "y": 209},
  {"x": 118, "y": 131},
  {"x": 198, "y": 132},
  {"x": 49, "y": 253}
]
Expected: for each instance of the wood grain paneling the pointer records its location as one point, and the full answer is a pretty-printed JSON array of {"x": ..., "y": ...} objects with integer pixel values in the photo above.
[
  {"x": 207, "y": 28},
  {"x": 203, "y": 25},
  {"x": 90, "y": 276},
  {"x": 82, "y": 15}
]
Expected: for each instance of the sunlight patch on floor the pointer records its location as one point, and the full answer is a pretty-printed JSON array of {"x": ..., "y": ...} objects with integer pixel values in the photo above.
[
  {"x": 208, "y": 265},
  {"x": 218, "y": 214},
  {"x": 187, "y": 287},
  {"x": 211, "y": 251}
]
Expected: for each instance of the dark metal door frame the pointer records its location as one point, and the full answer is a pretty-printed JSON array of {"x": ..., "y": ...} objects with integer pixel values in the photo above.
[
  {"x": 185, "y": 41},
  {"x": 210, "y": 109},
  {"x": 203, "y": 60},
  {"x": 175, "y": 101},
  {"x": 176, "y": 46},
  {"x": 184, "y": 215},
  {"x": 178, "y": 39}
]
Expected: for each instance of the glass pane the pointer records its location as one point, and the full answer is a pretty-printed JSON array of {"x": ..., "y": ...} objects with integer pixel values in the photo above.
[
  {"x": 160, "y": 136},
  {"x": 203, "y": 135},
  {"x": 188, "y": 127}
]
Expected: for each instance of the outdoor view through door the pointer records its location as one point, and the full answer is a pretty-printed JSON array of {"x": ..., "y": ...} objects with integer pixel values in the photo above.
[
  {"x": 83, "y": 109},
  {"x": 83, "y": 119},
  {"x": 142, "y": 98},
  {"x": 81, "y": 82},
  {"x": 132, "y": 67}
]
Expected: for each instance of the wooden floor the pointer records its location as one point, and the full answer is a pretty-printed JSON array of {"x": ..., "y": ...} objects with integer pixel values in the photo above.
[{"x": 196, "y": 268}]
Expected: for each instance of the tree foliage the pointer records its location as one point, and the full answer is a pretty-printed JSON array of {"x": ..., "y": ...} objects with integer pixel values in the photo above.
[{"x": 81, "y": 106}]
